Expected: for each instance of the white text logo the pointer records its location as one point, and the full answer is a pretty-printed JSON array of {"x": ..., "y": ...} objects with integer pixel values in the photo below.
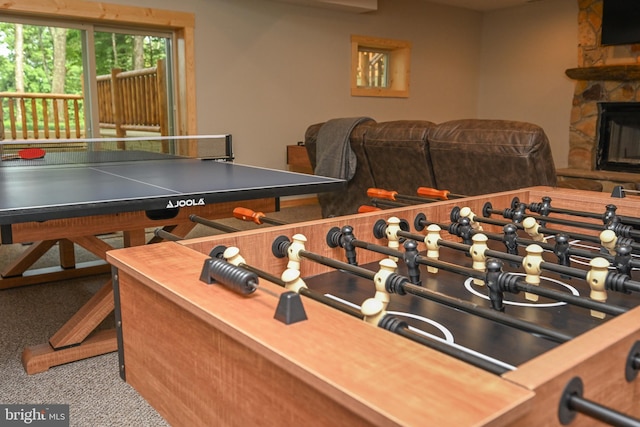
[{"x": 185, "y": 202}]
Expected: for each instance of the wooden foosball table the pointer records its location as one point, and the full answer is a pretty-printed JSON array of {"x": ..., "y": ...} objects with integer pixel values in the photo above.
[{"x": 209, "y": 336}]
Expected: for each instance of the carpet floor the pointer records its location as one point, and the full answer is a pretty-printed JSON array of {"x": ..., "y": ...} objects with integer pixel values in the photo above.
[{"x": 92, "y": 388}]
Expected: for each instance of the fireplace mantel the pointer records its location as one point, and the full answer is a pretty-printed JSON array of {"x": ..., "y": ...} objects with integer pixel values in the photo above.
[{"x": 622, "y": 72}]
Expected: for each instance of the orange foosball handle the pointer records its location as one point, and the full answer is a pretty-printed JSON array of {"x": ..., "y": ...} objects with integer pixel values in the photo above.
[
  {"x": 379, "y": 193},
  {"x": 366, "y": 208},
  {"x": 440, "y": 194},
  {"x": 392, "y": 195},
  {"x": 247, "y": 214},
  {"x": 432, "y": 192}
]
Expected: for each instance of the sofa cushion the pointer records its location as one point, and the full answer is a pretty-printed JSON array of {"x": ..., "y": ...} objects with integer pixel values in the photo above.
[
  {"x": 477, "y": 156},
  {"x": 399, "y": 157}
]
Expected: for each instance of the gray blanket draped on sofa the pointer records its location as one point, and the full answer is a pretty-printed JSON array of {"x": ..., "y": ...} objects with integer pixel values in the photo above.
[{"x": 334, "y": 157}]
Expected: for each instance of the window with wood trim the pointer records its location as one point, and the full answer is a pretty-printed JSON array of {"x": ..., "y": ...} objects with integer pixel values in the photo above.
[
  {"x": 177, "y": 28},
  {"x": 380, "y": 67}
]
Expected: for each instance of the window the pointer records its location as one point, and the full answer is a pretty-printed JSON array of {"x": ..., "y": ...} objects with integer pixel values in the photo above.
[
  {"x": 165, "y": 43},
  {"x": 380, "y": 67},
  {"x": 372, "y": 68},
  {"x": 49, "y": 83}
]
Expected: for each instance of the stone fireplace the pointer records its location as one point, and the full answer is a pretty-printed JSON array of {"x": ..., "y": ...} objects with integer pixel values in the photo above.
[
  {"x": 605, "y": 74},
  {"x": 618, "y": 137}
]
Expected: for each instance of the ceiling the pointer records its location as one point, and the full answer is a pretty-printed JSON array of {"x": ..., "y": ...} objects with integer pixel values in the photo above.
[{"x": 483, "y": 4}]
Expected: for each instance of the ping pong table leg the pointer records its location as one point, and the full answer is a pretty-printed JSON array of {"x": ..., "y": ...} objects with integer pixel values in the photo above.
[
  {"x": 34, "y": 252},
  {"x": 133, "y": 238},
  {"x": 77, "y": 338},
  {"x": 85, "y": 320},
  {"x": 71, "y": 339},
  {"x": 41, "y": 357},
  {"x": 93, "y": 244},
  {"x": 17, "y": 272},
  {"x": 67, "y": 254}
]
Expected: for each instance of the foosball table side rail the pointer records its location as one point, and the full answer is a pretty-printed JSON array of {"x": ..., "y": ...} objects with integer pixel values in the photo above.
[
  {"x": 599, "y": 357},
  {"x": 203, "y": 355},
  {"x": 602, "y": 358}
]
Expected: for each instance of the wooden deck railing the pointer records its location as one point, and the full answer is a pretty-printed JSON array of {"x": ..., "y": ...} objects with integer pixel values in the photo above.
[
  {"x": 40, "y": 115},
  {"x": 134, "y": 100},
  {"x": 127, "y": 101}
]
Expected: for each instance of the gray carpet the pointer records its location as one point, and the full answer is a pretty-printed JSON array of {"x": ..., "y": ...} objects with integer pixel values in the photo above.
[{"x": 92, "y": 388}]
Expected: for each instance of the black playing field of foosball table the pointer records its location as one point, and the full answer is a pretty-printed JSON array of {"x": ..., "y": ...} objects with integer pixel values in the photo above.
[{"x": 502, "y": 344}]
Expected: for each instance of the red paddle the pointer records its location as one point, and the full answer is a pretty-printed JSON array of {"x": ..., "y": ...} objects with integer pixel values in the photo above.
[{"x": 25, "y": 154}]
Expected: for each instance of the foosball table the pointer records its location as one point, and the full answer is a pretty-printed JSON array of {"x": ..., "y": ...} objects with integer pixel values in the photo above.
[{"x": 514, "y": 308}]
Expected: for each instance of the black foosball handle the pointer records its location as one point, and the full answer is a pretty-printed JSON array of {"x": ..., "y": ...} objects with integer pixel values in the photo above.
[
  {"x": 633, "y": 362},
  {"x": 235, "y": 278},
  {"x": 572, "y": 403},
  {"x": 163, "y": 234}
]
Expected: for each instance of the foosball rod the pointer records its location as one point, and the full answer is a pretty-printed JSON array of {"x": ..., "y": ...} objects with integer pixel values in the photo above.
[
  {"x": 386, "y": 204},
  {"x": 571, "y": 234},
  {"x": 218, "y": 253},
  {"x": 159, "y": 232},
  {"x": 212, "y": 224},
  {"x": 163, "y": 234},
  {"x": 614, "y": 281},
  {"x": 622, "y": 260},
  {"x": 562, "y": 249},
  {"x": 513, "y": 258},
  {"x": 479, "y": 360},
  {"x": 517, "y": 215},
  {"x": 518, "y": 284},
  {"x": 405, "y": 285},
  {"x": 544, "y": 208},
  {"x": 572, "y": 402},
  {"x": 463, "y": 229},
  {"x": 280, "y": 247}
]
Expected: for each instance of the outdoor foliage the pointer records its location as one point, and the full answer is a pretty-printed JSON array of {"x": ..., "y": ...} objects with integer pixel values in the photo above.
[{"x": 112, "y": 50}]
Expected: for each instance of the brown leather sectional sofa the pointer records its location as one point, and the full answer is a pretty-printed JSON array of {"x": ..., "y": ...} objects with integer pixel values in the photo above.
[{"x": 467, "y": 157}]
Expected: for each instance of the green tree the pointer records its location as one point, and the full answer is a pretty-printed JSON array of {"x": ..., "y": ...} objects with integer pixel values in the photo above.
[{"x": 50, "y": 59}]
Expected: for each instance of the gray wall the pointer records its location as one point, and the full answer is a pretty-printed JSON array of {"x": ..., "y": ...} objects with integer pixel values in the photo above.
[{"x": 525, "y": 51}]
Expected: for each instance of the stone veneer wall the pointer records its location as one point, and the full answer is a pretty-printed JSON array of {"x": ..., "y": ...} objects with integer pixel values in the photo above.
[{"x": 587, "y": 93}]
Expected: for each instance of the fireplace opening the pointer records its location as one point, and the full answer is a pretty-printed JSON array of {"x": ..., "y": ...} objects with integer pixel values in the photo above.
[{"x": 618, "y": 137}]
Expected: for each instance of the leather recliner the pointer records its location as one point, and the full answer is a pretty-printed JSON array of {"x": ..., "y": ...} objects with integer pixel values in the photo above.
[{"x": 469, "y": 157}]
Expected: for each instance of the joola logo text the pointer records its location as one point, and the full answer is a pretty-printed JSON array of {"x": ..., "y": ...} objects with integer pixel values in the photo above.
[{"x": 185, "y": 202}]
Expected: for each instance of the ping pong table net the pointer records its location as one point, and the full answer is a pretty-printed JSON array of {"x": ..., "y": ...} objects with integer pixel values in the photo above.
[{"x": 100, "y": 150}]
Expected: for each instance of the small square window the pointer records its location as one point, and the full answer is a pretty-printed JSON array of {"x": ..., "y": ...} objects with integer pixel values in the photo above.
[
  {"x": 379, "y": 67},
  {"x": 372, "y": 68}
]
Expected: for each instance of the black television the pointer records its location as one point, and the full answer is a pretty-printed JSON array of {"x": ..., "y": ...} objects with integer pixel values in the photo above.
[{"x": 620, "y": 22}]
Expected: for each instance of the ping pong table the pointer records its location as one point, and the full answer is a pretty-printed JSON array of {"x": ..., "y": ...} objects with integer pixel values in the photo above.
[{"x": 51, "y": 201}]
